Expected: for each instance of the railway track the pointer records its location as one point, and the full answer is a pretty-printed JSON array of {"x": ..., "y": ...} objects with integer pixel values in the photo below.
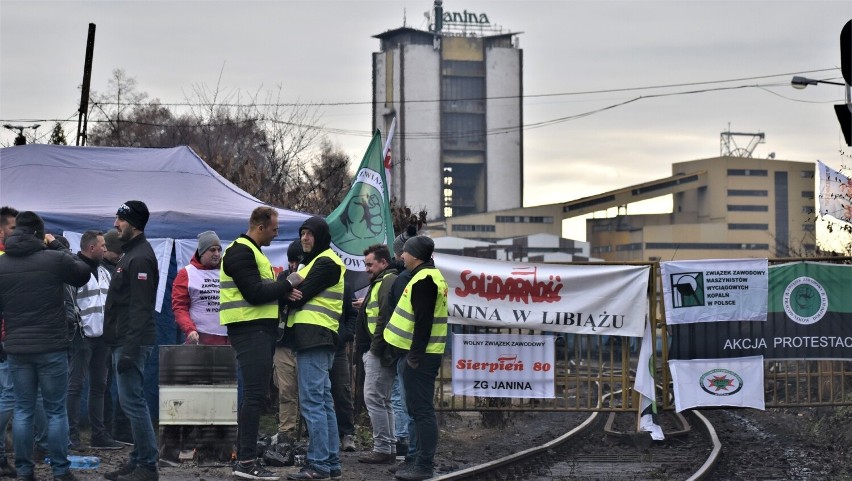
[{"x": 596, "y": 450}]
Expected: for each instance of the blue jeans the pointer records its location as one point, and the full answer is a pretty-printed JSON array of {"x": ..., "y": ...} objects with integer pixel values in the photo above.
[
  {"x": 313, "y": 366},
  {"x": 7, "y": 403},
  {"x": 48, "y": 372},
  {"x": 132, "y": 396},
  {"x": 7, "y": 408},
  {"x": 400, "y": 414}
]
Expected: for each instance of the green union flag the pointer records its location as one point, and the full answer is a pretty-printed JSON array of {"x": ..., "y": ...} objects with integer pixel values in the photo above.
[{"x": 364, "y": 217}]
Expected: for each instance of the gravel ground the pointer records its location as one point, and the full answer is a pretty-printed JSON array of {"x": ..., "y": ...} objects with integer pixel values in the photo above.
[{"x": 807, "y": 444}]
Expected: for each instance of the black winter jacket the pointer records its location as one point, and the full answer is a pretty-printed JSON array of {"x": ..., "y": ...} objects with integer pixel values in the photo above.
[
  {"x": 324, "y": 274},
  {"x": 129, "y": 310},
  {"x": 32, "y": 293},
  {"x": 240, "y": 264},
  {"x": 346, "y": 323}
]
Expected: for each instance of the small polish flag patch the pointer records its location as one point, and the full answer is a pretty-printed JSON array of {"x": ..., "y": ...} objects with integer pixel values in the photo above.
[{"x": 142, "y": 276}]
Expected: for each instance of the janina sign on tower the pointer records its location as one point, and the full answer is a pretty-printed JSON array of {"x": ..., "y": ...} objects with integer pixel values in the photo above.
[{"x": 466, "y": 18}]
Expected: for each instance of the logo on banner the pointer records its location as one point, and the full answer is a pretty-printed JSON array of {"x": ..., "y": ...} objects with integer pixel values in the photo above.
[
  {"x": 361, "y": 221},
  {"x": 687, "y": 289},
  {"x": 805, "y": 301},
  {"x": 721, "y": 382}
]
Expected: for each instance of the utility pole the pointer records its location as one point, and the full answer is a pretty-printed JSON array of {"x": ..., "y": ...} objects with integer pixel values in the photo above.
[
  {"x": 83, "y": 118},
  {"x": 844, "y": 111}
]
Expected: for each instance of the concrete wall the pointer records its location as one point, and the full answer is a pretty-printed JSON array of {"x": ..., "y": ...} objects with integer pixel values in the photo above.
[{"x": 504, "y": 155}]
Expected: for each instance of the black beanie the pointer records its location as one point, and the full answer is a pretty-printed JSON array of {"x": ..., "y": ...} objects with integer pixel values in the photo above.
[
  {"x": 294, "y": 251},
  {"x": 420, "y": 247},
  {"x": 30, "y": 223},
  {"x": 62, "y": 240},
  {"x": 135, "y": 212}
]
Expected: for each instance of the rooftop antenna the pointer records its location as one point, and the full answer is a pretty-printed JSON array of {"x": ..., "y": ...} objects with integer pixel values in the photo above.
[
  {"x": 404, "y": 18},
  {"x": 728, "y": 144}
]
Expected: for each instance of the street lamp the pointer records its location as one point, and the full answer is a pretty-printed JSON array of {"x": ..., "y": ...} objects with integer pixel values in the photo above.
[
  {"x": 843, "y": 111},
  {"x": 20, "y": 139},
  {"x": 802, "y": 82}
]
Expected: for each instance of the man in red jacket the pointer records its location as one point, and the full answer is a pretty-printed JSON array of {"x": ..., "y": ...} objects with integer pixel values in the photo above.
[{"x": 195, "y": 294}]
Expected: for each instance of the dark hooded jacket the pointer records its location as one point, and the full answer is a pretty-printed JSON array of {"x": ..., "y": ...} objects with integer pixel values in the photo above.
[
  {"x": 129, "y": 310},
  {"x": 32, "y": 293},
  {"x": 324, "y": 274}
]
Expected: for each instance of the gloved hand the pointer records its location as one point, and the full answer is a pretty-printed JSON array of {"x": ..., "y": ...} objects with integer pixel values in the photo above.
[
  {"x": 412, "y": 360},
  {"x": 295, "y": 279},
  {"x": 127, "y": 360}
]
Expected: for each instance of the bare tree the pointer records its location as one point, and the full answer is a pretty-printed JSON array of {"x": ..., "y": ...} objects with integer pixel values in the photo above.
[
  {"x": 259, "y": 146},
  {"x": 325, "y": 184}
]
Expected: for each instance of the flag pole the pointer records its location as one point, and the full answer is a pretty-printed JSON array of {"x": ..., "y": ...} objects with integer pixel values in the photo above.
[{"x": 386, "y": 154}]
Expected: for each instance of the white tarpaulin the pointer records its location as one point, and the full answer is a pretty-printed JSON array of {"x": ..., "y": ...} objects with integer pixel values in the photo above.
[
  {"x": 715, "y": 290},
  {"x": 503, "y": 365},
  {"x": 577, "y": 299}
]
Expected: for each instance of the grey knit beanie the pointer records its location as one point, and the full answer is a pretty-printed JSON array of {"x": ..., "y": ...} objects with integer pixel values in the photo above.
[{"x": 206, "y": 240}]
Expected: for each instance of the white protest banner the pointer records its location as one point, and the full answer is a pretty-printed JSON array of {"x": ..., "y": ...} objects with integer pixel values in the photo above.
[
  {"x": 503, "y": 365},
  {"x": 736, "y": 381},
  {"x": 603, "y": 300},
  {"x": 715, "y": 290}
]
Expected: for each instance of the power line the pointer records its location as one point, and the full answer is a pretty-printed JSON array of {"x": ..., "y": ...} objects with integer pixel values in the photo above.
[
  {"x": 458, "y": 134},
  {"x": 501, "y": 97}
]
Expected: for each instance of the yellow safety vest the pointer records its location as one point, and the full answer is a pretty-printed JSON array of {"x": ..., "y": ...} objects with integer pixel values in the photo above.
[
  {"x": 325, "y": 308},
  {"x": 400, "y": 329},
  {"x": 372, "y": 309},
  {"x": 233, "y": 307}
]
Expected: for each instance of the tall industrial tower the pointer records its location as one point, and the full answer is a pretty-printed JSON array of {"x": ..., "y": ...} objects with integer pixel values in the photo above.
[{"x": 456, "y": 92}]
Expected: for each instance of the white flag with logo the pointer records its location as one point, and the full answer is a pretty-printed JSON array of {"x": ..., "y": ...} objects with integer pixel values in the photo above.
[
  {"x": 835, "y": 193},
  {"x": 734, "y": 382}
]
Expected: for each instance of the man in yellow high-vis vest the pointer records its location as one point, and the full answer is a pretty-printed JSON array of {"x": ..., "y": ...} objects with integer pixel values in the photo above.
[
  {"x": 248, "y": 306},
  {"x": 418, "y": 330},
  {"x": 379, "y": 360},
  {"x": 314, "y": 321}
]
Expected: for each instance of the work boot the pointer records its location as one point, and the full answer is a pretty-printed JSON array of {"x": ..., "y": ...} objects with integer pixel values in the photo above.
[
  {"x": 347, "y": 443},
  {"x": 123, "y": 470},
  {"x": 375, "y": 457},
  {"x": 140, "y": 474},
  {"x": 414, "y": 473},
  {"x": 400, "y": 466}
]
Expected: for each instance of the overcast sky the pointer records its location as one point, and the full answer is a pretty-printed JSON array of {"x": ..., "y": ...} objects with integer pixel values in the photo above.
[{"x": 320, "y": 51}]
